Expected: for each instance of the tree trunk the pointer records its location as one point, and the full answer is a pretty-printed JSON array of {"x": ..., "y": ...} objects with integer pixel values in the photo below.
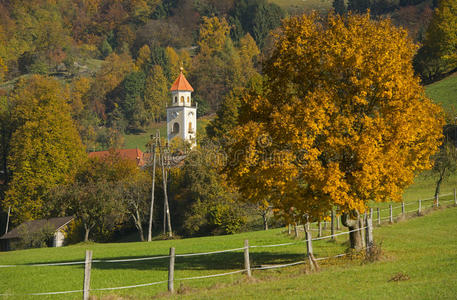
[
  {"x": 355, "y": 237},
  {"x": 86, "y": 233},
  {"x": 438, "y": 183},
  {"x": 140, "y": 232},
  {"x": 138, "y": 224},
  {"x": 265, "y": 220}
]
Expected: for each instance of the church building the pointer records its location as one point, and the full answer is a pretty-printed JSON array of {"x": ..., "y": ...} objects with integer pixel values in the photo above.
[{"x": 181, "y": 115}]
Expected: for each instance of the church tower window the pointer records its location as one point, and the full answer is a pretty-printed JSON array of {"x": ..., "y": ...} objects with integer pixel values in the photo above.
[{"x": 175, "y": 127}]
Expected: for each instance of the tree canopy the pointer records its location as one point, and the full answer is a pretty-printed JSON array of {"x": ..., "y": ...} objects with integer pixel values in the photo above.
[
  {"x": 439, "y": 52},
  {"x": 45, "y": 147},
  {"x": 341, "y": 119}
]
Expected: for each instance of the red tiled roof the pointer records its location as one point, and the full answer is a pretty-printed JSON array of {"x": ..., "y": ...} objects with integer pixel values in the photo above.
[
  {"x": 135, "y": 155},
  {"x": 181, "y": 84}
]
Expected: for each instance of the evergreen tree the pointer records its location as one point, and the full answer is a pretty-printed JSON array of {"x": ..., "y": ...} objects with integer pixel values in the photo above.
[
  {"x": 339, "y": 7},
  {"x": 156, "y": 94}
]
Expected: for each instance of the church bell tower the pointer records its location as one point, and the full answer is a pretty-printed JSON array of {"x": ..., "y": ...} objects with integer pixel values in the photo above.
[{"x": 181, "y": 115}]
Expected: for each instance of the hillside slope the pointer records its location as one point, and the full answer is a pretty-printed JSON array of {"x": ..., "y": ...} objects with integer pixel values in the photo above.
[
  {"x": 423, "y": 249},
  {"x": 444, "y": 92}
]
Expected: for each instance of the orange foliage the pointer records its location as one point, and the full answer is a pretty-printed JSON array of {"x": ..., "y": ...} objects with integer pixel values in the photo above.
[{"x": 341, "y": 120}]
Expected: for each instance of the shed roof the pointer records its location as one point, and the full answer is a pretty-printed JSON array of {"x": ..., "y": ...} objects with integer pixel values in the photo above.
[{"x": 36, "y": 225}]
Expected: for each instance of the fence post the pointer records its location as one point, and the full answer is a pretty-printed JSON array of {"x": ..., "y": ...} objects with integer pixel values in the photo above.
[
  {"x": 296, "y": 229},
  {"x": 437, "y": 200},
  {"x": 378, "y": 211},
  {"x": 419, "y": 210},
  {"x": 87, "y": 268},
  {"x": 289, "y": 230},
  {"x": 362, "y": 232},
  {"x": 247, "y": 264},
  {"x": 171, "y": 270},
  {"x": 402, "y": 208},
  {"x": 337, "y": 222},
  {"x": 391, "y": 217},
  {"x": 332, "y": 225},
  {"x": 455, "y": 197},
  {"x": 319, "y": 232},
  {"x": 369, "y": 232},
  {"x": 309, "y": 248}
]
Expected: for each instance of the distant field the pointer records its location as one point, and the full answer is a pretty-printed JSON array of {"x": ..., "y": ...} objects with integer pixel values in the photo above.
[
  {"x": 301, "y": 5},
  {"x": 140, "y": 140},
  {"x": 445, "y": 93}
]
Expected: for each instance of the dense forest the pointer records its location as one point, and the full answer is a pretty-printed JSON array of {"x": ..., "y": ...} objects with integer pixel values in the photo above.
[
  {"x": 118, "y": 58},
  {"x": 79, "y": 74}
]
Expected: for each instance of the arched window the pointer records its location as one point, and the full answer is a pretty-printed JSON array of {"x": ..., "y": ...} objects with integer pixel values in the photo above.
[
  {"x": 175, "y": 128},
  {"x": 182, "y": 99},
  {"x": 188, "y": 99},
  {"x": 176, "y": 99},
  {"x": 190, "y": 128}
]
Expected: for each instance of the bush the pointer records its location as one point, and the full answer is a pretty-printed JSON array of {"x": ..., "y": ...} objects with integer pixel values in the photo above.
[{"x": 37, "y": 239}]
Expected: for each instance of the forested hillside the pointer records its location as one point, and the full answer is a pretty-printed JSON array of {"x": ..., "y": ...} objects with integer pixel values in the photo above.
[
  {"x": 118, "y": 58},
  {"x": 79, "y": 75}
]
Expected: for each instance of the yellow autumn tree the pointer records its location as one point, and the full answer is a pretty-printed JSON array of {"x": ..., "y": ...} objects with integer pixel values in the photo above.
[
  {"x": 341, "y": 119},
  {"x": 45, "y": 147}
]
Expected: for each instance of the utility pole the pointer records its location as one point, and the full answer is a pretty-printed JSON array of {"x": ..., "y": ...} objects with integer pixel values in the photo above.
[
  {"x": 8, "y": 219},
  {"x": 151, "y": 210},
  {"x": 165, "y": 194}
]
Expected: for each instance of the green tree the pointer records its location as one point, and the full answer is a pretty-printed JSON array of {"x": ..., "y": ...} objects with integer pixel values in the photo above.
[
  {"x": 6, "y": 131},
  {"x": 136, "y": 195},
  {"x": 131, "y": 93},
  {"x": 256, "y": 17},
  {"x": 207, "y": 202},
  {"x": 220, "y": 66},
  {"x": 438, "y": 54},
  {"x": 445, "y": 163},
  {"x": 45, "y": 146},
  {"x": 339, "y": 6},
  {"x": 97, "y": 195},
  {"x": 156, "y": 94}
]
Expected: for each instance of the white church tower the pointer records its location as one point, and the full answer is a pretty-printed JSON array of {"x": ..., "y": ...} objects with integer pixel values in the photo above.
[{"x": 181, "y": 115}]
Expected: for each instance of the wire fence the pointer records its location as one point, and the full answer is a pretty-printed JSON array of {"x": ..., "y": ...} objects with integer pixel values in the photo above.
[{"x": 247, "y": 268}]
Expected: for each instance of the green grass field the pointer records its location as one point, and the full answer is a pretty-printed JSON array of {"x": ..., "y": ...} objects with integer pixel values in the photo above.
[
  {"x": 141, "y": 139},
  {"x": 445, "y": 93},
  {"x": 298, "y": 6},
  {"x": 422, "y": 247}
]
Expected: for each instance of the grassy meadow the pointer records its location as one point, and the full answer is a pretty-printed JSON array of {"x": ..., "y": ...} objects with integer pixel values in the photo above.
[
  {"x": 298, "y": 6},
  {"x": 422, "y": 248},
  {"x": 418, "y": 262},
  {"x": 444, "y": 92},
  {"x": 141, "y": 139}
]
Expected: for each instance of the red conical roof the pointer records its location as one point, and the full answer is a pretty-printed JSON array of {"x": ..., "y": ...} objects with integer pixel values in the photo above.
[{"x": 181, "y": 84}]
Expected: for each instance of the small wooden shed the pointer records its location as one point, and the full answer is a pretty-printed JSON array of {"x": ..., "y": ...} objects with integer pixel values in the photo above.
[{"x": 58, "y": 225}]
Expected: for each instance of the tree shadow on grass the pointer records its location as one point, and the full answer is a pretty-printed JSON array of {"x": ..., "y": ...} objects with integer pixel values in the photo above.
[{"x": 219, "y": 261}]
